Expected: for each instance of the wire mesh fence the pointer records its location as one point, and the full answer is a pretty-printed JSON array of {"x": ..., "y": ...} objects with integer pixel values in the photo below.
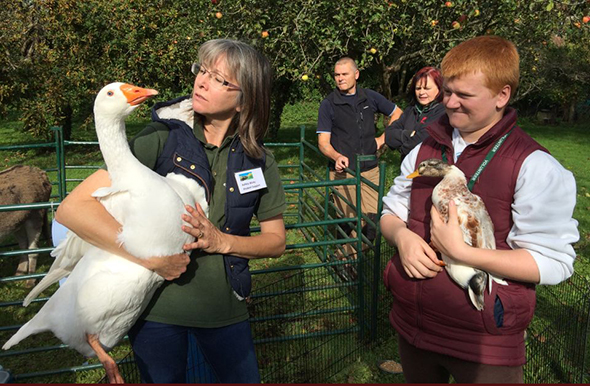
[
  {"x": 304, "y": 325},
  {"x": 557, "y": 336},
  {"x": 318, "y": 312}
]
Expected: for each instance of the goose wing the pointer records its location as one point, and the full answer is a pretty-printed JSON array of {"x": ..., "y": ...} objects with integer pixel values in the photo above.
[
  {"x": 69, "y": 252},
  {"x": 189, "y": 191}
]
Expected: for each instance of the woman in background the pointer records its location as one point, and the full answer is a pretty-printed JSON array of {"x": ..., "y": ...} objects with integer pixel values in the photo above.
[{"x": 425, "y": 107}]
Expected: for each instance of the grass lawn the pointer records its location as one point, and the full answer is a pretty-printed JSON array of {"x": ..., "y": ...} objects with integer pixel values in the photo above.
[{"x": 567, "y": 143}]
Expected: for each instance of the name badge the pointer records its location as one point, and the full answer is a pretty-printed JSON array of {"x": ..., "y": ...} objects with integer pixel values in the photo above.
[{"x": 250, "y": 180}]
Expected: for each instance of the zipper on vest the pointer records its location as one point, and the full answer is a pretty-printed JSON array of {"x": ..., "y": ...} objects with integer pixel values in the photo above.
[
  {"x": 360, "y": 127},
  {"x": 418, "y": 336}
]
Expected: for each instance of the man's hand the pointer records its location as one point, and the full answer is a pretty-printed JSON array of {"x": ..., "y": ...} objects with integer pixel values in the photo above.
[
  {"x": 447, "y": 237},
  {"x": 341, "y": 163},
  {"x": 417, "y": 257},
  {"x": 326, "y": 148},
  {"x": 380, "y": 140}
]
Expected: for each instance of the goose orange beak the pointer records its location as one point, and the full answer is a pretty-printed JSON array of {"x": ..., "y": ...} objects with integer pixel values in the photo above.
[
  {"x": 137, "y": 95},
  {"x": 413, "y": 175}
]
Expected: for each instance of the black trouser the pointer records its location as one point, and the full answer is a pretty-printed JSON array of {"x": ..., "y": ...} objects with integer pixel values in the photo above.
[{"x": 422, "y": 366}]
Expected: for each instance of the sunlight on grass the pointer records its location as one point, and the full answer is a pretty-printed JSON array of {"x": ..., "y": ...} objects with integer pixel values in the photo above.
[{"x": 288, "y": 361}]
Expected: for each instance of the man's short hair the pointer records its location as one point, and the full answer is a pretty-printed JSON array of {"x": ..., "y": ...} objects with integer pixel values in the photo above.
[
  {"x": 346, "y": 60},
  {"x": 495, "y": 57}
]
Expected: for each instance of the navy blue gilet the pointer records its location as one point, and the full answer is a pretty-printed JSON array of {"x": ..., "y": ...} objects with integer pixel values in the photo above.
[
  {"x": 353, "y": 130},
  {"x": 184, "y": 154}
]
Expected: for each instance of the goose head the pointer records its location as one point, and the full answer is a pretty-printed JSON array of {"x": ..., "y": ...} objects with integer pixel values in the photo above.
[
  {"x": 118, "y": 100},
  {"x": 432, "y": 168}
]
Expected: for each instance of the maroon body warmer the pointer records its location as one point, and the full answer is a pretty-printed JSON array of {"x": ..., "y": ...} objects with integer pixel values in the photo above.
[{"x": 436, "y": 314}]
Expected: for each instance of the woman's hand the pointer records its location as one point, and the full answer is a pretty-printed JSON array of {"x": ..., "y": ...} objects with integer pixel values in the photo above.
[
  {"x": 169, "y": 267},
  {"x": 207, "y": 237},
  {"x": 447, "y": 237}
]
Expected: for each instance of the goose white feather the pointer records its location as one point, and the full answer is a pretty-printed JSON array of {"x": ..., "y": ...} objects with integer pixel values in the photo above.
[
  {"x": 105, "y": 294},
  {"x": 474, "y": 220}
]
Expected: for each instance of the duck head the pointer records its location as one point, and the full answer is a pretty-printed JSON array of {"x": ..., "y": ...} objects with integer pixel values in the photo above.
[
  {"x": 120, "y": 99},
  {"x": 431, "y": 168}
]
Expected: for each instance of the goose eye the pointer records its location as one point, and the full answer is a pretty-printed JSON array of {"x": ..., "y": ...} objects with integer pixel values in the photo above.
[{"x": 110, "y": 93}]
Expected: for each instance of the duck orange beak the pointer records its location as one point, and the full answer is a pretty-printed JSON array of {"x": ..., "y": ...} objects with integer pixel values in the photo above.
[
  {"x": 413, "y": 175},
  {"x": 137, "y": 95}
]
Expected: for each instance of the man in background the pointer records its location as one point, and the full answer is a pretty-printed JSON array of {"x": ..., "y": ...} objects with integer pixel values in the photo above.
[{"x": 346, "y": 127}]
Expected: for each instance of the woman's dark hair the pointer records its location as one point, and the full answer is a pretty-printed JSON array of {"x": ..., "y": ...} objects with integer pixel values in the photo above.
[{"x": 423, "y": 73}]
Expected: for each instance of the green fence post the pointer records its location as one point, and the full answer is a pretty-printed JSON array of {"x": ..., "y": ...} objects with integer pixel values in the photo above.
[
  {"x": 326, "y": 211},
  {"x": 60, "y": 161},
  {"x": 377, "y": 253},
  {"x": 301, "y": 158},
  {"x": 359, "y": 250}
]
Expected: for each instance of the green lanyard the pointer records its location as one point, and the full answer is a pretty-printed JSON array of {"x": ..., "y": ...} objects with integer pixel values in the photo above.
[{"x": 485, "y": 162}]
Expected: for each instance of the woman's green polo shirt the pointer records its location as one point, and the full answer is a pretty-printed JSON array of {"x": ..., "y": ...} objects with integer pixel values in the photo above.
[{"x": 202, "y": 296}]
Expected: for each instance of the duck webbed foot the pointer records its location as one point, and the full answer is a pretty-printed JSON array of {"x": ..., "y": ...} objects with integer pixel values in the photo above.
[
  {"x": 109, "y": 364},
  {"x": 440, "y": 262}
]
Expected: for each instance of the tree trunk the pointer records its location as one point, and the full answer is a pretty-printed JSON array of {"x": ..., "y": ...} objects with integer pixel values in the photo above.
[
  {"x": 569, "y": 111},
  {"x": 67, "y": 122},
  {"x": 385, "y": 82},
  {"x": 572, "y": 112},
  {"x": 279, "y": 98},
  {"x": 401, "y": 89}
]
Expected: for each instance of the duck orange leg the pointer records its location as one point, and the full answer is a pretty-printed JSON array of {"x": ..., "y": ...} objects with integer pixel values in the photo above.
[
  {"x": 440, "y": 262},
  {"x": 109, "y": 364}
]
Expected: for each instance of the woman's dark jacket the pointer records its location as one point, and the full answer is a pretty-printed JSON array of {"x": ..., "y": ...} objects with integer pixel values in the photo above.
[{"x": 410, "y": 129}]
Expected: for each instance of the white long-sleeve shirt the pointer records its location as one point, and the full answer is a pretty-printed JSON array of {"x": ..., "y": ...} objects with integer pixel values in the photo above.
[{"x": 544, "y": 201}]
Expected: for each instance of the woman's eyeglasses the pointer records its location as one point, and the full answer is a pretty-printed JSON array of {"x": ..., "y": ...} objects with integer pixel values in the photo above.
[{"x": 215, "y": 79}]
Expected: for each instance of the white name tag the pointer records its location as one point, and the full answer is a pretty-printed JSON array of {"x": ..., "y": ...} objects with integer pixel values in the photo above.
[{"x": 250, "y": 180}]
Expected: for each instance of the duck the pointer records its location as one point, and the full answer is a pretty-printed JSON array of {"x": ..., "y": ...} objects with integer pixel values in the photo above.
[
  {"x": 474, "y": 220},
  {"x": 105, "y": 294}
]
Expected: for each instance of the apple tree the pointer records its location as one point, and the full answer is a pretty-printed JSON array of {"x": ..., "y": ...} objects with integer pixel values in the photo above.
[{"x": 58, "y": 53}]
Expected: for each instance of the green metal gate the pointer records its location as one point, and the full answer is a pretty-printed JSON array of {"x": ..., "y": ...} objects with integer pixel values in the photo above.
[
  {"x": 312, "y": 314},
  {"x": 308, "y": 322}
]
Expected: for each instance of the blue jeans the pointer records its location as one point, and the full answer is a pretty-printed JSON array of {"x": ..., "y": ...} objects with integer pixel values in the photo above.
[{"x": 161, "y": 352}]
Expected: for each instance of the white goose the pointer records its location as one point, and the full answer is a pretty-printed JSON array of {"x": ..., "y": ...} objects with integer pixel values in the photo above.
[
  {"x": 105, "y": 294},
  {"x": 474, "y": 220}
]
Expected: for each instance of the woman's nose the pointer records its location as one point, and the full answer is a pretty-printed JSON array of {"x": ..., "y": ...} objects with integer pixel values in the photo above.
[{"x": 202, "y": 81}]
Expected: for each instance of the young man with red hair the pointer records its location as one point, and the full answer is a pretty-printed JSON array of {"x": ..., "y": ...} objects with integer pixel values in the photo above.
[{"x": 530, "y": 198}]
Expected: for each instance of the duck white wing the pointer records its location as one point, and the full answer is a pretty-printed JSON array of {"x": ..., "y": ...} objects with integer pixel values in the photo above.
[
  {"x": 475, "y": 222},
  {"x": 478, "y": 229}
]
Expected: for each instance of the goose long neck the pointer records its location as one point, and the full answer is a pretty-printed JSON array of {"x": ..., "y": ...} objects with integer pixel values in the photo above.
[{"x": 113, "y": 144}]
